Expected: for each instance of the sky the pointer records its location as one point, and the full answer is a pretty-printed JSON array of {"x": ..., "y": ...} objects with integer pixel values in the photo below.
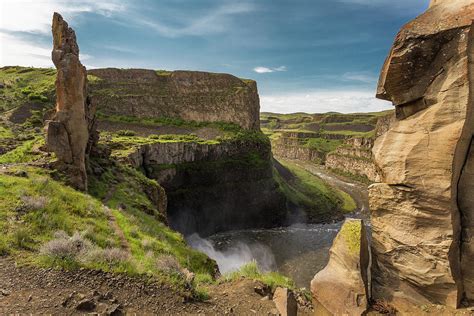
[{"x": 306, "y": 55}]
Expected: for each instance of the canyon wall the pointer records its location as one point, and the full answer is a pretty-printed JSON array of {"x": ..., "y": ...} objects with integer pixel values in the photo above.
[
  {"x": 422, "y": 213},
  {"x": 188, "y": 95},
  {"x": 219, "y": 182},
  {"x": 343, "y": 152},
  {"x": 215, "y": 187}
]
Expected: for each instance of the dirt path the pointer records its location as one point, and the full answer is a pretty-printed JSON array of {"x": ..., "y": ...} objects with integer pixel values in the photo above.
[{"x": 31, "y": 290}]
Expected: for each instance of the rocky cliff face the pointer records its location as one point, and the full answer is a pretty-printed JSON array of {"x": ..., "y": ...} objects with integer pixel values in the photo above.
[
  {"x": 342, "y": 142},
  {"x": 214, "y": 187},
  {"x": 290, "y": 145},
  {"x": 341, "y": 288},
  {"x": 72, "y": 126},
  {"x": 421, "y": 212},
  {"x": 188, "y": 95}
]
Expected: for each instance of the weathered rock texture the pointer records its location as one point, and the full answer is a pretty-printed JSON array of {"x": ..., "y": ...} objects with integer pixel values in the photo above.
[
  {"x": 422, "y": 212},
  {"x": 70, "y": 130},
  {"x": 354, "y": 157},
  {"x": 341, "y": 288},
  {"x": 188, "y": 95},
  {"x": 285, "y": 302},
  {"x": 215, "y": 187}
]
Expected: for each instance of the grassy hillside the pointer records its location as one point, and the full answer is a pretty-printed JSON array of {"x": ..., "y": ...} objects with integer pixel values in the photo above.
[{"x": 306, "y": 191}]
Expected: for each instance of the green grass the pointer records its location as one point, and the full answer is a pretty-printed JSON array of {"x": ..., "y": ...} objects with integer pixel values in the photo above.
[
  {"x": 349, "y": 205},
  {"x": 23, "y": 84},
  {"x": 26, "y": 225},
  {"x": 36, "y": 207},
  {"x": 6, "y": 133},
  {"x": 310, "y": 193},
  {"x": 355, "y": 177},
  {"x": 169, "y": 121},
  {"x": 23, "y": 153},
  {"x": 251, "y": 271},
  {"x": 323, "y": 145}
]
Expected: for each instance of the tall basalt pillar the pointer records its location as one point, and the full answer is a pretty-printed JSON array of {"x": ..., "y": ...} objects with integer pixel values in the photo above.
[
  {"x": 421, "y": 213},
  {"x": 73, "y": 125}
]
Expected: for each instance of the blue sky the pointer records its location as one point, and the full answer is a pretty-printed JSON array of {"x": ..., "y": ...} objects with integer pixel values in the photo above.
[{"x": 306, "y": 55}]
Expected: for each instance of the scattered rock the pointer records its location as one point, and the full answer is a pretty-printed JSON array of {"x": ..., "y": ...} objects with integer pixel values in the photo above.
[
  {"x": 285, "y": 302},
  {"x": 262, "y": 289},
  {"x": 86, "y": 305},
  {"x": 5, "y": 292}
]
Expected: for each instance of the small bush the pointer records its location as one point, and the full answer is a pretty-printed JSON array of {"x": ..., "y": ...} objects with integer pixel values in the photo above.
[
  {"x": 21, "y": 238},
  {"x": 168, "y": 264},
  {"x": 32, "y": 203},
  {"x": 126, "y": 133},
  {"x": 110, "y": 256},
  {"x": 65, "y": 247}
]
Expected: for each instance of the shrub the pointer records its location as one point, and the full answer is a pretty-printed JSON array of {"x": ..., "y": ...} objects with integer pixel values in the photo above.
[
  {"x": 21, "y": 238},
  {"x": 32, "y": 203},
  {"x": 110, "y": 256},
  {"x": 65, "y": 247},
  {"x": 126, "y": 133},
  {"x": 168, "y": 264}
]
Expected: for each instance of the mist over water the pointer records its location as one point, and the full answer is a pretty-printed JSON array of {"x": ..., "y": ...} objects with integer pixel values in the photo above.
[
  {"x": 298, "y": 251},
  {"x": 236, "y": 255}
]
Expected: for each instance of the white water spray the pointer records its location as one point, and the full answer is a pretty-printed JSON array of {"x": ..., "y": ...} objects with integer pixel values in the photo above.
[{"x": 238, "y": 255}]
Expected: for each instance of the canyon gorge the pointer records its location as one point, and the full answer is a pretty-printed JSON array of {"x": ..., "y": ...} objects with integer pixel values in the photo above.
[{"x": 170, "y": 192}]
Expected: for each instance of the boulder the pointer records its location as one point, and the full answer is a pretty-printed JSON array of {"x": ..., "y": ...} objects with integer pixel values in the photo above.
[
  {"x": 285, "y": 302},
  {"x": 71, "y": 131},
  {"x": 421, "y": 211},
  {"x": 342, "y": 287}
]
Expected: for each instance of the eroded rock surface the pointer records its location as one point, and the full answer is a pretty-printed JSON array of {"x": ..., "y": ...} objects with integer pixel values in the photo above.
[
  {"x": 341, "y": 288},
  {"x": 72, "y": 126},
  {"x": 421, "y": 207},
  {"x": 188, "y": 95}
]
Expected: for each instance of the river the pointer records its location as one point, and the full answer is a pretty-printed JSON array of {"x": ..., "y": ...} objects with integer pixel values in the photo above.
[{"x": 298, "y": 251}]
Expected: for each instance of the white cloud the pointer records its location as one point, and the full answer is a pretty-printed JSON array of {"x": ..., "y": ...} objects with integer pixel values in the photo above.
[
  {"x": 35, "y": 15},
  {"x": 14, "y": 51},
  {"x": 24, "y": 20},
  {"x": 216, "y": 21},
  {"x": 362, "y": 76},
  {"x": 344, "y": 101},
  {"x": 263, "y": 70}
]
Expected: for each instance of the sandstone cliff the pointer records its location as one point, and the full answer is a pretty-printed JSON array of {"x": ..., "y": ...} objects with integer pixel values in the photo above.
[
  {"x": 341, "y": 288},
  {"x": 188, "y": 95},
  {"x": 422, "y": 212},
  {"x": 72, "y": 126}
]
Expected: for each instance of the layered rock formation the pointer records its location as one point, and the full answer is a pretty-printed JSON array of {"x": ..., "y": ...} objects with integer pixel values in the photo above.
[
  {"x": 214, "y": 187},
  {"x": 188, "y": 95},
  {"x": 342, "y": 142},
  {"x": 422, "y": 213},
  {"x": 70, "y": 133},
  {"x": 341, "y": 288}
]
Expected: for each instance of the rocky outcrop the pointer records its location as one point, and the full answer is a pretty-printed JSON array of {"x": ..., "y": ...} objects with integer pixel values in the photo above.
[
  {"x": 188, "y": 95},
  {"x": 214, "y": 187},
  {"x": 70, "y": 133},
  {"x": 342, "y": 287},
  {"x": 421, "y": 212},
  {"x": 290, "y": 145},
  {"x": 285, "y": 302}
]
